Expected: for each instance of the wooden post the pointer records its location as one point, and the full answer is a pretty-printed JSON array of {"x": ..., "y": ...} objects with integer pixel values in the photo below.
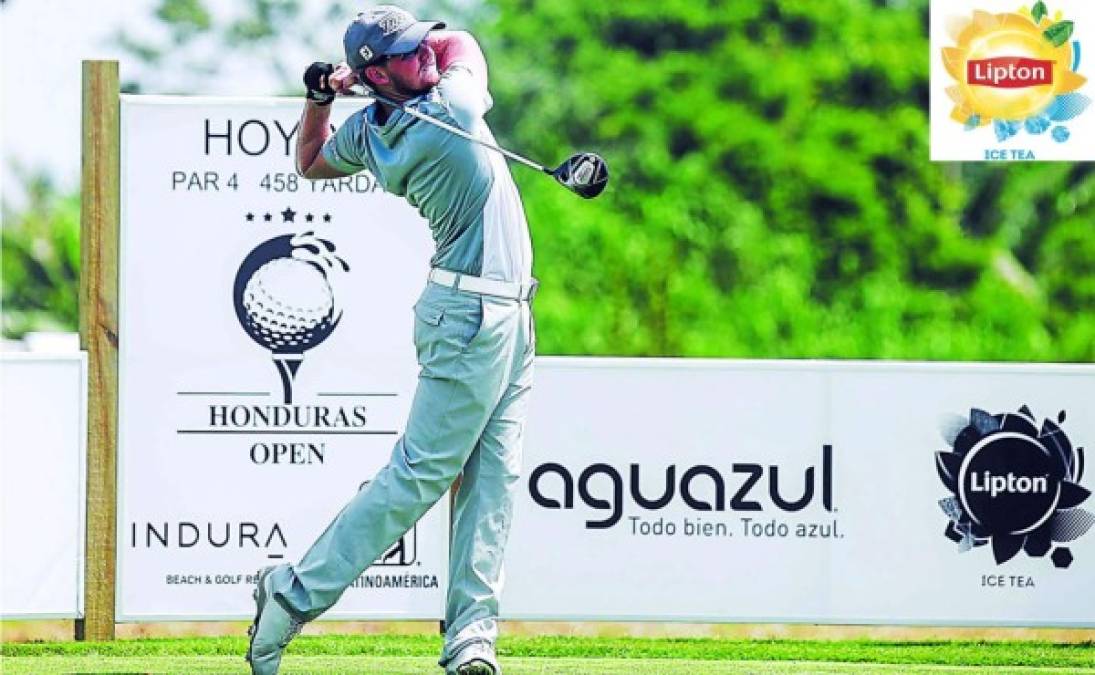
[{"x": 100, "y": 202}]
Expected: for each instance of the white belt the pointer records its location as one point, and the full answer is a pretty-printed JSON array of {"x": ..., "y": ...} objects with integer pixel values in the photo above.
[{"x": 502, "y": 289}]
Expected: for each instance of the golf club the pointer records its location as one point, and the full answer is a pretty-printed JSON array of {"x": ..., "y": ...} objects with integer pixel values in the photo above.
[{"x": 584, "y": 173}]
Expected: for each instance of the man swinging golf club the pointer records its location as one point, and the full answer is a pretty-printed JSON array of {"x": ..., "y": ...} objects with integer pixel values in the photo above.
[{"x": 424, "y": 138}]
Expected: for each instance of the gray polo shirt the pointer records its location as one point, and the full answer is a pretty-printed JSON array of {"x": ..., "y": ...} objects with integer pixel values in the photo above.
[{"x": 463, "y": 190}]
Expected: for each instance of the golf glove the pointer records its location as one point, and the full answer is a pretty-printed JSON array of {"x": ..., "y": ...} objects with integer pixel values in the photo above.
[{"x": 316, "y": 80}]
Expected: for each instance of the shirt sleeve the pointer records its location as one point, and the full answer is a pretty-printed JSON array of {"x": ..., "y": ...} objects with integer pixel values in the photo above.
[
  {"x": 465, "y": 94},
  {"x": 343, "y": 150}
]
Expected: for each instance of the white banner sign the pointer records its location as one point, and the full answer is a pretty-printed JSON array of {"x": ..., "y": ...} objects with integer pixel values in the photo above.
[
  {"x": 816, "y": 492},
  {"x": 42, "y": 435},
  {"x": 266, "y": 362}
]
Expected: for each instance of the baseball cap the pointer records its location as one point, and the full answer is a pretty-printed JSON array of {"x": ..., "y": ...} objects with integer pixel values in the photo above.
[{"x": 383, "y": 30}]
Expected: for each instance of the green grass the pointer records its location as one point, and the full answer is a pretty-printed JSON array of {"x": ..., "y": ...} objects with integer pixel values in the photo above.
[
  {"x": 402, "y": 665},
  {"x": 524, "y": 655}
]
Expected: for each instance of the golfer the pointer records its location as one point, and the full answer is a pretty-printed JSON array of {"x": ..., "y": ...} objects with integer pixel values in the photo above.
[{"x": 473, "y": 331}]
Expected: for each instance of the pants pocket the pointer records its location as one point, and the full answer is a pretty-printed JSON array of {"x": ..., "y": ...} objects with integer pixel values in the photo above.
[
  {"x": 466, "y": 323},
  {"x": 427, "y": 322},
  {"x": 446, "y": 328}
]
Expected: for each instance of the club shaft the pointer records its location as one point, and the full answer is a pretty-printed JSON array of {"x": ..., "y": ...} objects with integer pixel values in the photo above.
[{"x": 460, "y": 132}]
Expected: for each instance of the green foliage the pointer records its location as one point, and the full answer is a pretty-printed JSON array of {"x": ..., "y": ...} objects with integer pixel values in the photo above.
[
  {"x": 186, "y": 16},
  {"x": 40, "y": 263},
  {"x": 263, "y": 20},
  {"x": 771, "y": 193}
]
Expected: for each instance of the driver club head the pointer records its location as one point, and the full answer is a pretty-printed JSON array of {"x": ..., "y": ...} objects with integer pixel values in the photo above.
[{"x": 585, "y": 174}]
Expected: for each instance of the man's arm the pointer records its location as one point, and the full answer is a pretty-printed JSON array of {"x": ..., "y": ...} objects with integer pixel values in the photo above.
[
  {"x": 315, "y": 129},
  {"x": 315, "y": 125},
  {"x": 464, "y": 88},
  {"x": 452, "y": 46}
]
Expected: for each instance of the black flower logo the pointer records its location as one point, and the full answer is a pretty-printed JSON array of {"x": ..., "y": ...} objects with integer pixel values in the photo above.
[{"x": 1013, "y": 484}]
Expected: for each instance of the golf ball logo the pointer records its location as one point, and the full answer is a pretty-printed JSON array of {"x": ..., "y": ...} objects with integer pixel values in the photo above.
[
  {"x": 1013, "y": 484},
  {"x": 285, "y": 299}
]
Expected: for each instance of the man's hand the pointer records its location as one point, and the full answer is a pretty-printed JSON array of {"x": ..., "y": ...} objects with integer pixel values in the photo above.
[
  {"x": 343, "y": 78},
  {"x": 324, "y": 81},
  {"x": 317, "y": 80}
]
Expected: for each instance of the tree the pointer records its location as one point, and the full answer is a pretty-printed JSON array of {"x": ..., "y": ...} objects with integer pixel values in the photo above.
[
  {"x": 40, "y": 256},
  {"x": 772, "y": 194}
]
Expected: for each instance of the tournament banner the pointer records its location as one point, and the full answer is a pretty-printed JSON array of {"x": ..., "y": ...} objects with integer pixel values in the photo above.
[
  {"x": 809, "y": 491},
  {"x": 1011, "y": 81},
  {"x": 266, "y": 364}
]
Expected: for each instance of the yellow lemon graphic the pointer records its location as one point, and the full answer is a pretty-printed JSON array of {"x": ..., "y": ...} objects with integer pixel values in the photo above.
[{"x": 986, "y": 41}]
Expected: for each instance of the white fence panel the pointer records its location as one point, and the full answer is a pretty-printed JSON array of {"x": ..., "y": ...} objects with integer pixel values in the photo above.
[
  {"x": 43, "y": 431},
  {"x": 779, "y": 491}
]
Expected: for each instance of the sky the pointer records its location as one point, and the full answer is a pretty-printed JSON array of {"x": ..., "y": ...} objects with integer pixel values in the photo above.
[
  {"x": 41, "y": 104},
  {"x": 43, "y": 43}
]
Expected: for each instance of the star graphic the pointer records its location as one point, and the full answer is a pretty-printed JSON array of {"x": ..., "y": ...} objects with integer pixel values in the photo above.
[
  {"x": 250, "y": 217},
  {"x": 309, "y": 218},
  {"x": 326, "y": 217},
  {"x": 288, "y": 215},
  {"x": 266, "y": 217}
]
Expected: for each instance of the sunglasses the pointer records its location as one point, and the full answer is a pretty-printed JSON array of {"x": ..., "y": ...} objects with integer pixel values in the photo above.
[{"x": 407, "y": 56}]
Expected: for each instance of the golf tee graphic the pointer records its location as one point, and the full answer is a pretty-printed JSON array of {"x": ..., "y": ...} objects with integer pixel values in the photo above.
[
  {"x": 285, "y": 299},
  {"x": 1008, "y": 84}
]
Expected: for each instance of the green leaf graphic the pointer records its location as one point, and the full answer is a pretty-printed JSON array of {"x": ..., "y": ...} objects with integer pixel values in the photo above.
[
  {"x": 1039, "y": 11},
  {"x": 1059, "y": 33}
]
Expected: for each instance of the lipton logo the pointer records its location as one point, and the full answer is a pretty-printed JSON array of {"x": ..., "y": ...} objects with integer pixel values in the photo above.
[
  {"x": 1015, "y": 71},
  {"x": 1014, "y": 484},
  {"x": 1009, "y": 72}
]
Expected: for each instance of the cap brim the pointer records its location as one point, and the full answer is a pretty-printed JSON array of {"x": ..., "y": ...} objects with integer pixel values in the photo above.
[{"x": 412, "y": 37}]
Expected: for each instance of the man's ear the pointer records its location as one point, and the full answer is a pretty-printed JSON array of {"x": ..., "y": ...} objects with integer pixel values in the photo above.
[{"x": 375, "y": 75}]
